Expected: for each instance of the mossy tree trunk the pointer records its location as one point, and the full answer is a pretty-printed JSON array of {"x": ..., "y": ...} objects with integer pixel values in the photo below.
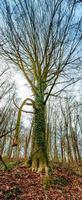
[{"x": 39, "y": 147}]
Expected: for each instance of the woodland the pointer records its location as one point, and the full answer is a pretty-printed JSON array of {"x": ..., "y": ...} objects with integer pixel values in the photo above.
[{"x": 41, "y": 115}]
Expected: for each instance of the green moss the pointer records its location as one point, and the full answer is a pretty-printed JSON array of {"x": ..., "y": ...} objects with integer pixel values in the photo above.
[
  {"x": 8, "y": 195},
  {"x": 49, "y": 181},
  {"x": 11, "y": 194},
  {"x": 11, "y": 164},
  {"x": 61, "y": 181}
]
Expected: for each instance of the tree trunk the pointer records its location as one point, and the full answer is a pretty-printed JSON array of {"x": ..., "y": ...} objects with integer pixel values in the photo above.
[
  {"x": 76, "y": 152},
  {"x": 27, "y": 140},
  {"x": 39, "y": 147},
  {"x": 3, "y": 145},
  {"x": 55, "y": 143}
]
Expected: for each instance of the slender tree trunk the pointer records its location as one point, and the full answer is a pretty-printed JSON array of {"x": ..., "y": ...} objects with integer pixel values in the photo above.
[
  {"x": 25, "y": 149},
  {"x": 27, "y": 141},
  {"x": 76, "y": 152},
  {"x": 63, "y": 149},
  {"x": 69, "y": 153},
  {"x": 3, "y": 144},
  {"x": 55, "y": 148},
  {"x": 10, "y": 148},
  {"x": 62, "y": 143},
  {"x": 48, "y": 141}
]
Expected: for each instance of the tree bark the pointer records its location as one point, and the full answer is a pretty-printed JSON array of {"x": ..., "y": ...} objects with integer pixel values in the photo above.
[{"x": 39, "y": 147}]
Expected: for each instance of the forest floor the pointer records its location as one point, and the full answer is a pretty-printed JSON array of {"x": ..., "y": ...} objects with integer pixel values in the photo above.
[{"x": 20, "y": 183}]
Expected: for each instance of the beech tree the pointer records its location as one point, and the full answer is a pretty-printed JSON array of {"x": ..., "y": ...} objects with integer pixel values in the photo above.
[{"x": 42, "y": 39}]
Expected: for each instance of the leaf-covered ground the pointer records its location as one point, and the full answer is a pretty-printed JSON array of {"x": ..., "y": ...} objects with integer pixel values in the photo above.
[{"x": 21, "y": 183}]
